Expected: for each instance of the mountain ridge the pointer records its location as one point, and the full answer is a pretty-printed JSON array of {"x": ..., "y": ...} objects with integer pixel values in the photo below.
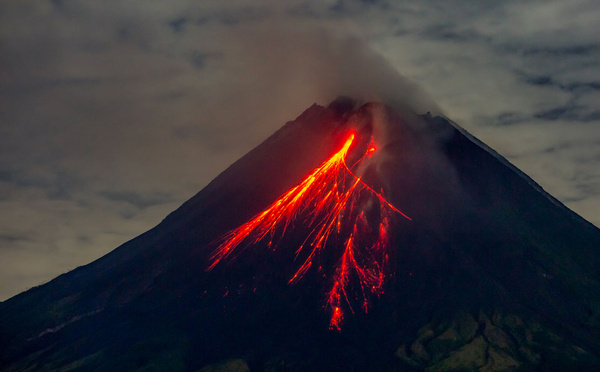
[{"x": 515, "y": 169}]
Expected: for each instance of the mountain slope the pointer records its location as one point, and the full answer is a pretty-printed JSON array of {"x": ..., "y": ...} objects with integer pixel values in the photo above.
[{"x": 490, "y": 273}]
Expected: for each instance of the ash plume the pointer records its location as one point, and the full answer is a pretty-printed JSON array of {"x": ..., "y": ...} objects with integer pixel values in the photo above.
[{"x": 301, "y": 62}]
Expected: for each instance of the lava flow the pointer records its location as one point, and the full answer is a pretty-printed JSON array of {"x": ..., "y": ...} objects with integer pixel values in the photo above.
[{"x": 338, "y": 209}]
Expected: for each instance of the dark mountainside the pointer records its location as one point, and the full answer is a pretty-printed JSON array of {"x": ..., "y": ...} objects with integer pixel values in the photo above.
[{"x": 492, "y": 273}]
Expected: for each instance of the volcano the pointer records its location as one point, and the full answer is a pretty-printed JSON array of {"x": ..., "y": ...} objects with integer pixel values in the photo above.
[{"x": 355, "y": 238}]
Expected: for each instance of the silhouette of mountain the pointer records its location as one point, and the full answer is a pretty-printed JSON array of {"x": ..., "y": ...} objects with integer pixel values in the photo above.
[{"x": 489, "y": 273}]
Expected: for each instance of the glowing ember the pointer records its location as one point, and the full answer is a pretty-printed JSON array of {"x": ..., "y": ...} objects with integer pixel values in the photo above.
[{"x": 333, "y": 203}]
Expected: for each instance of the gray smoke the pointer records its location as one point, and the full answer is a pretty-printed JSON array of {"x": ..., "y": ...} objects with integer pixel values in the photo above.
[{"x": 299, "y": 63}]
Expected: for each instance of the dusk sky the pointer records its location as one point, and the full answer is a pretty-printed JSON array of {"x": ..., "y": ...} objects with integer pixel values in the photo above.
[{"x": 114, "y": 113}]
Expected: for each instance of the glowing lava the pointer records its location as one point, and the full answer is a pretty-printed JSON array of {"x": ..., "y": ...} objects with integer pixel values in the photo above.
[{"x": 338, "y": 210}]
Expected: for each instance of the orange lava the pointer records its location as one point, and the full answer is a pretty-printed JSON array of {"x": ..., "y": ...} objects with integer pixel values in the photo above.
[{"x": 332, "y": 202}]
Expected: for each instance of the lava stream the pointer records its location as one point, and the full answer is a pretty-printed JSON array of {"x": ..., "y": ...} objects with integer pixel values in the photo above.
[{"x": 332, "y": 202}]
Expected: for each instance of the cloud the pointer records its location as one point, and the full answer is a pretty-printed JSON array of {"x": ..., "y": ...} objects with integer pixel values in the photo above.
[
  {"x": 114, "y": 113},
  {"x": 549, "y": 25}
]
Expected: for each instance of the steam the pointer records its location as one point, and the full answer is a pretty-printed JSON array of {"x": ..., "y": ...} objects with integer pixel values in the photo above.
[{"x": 297, "y": 63}]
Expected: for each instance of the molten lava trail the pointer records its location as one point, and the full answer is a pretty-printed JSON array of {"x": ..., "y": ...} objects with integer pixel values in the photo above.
[{"x": 333, "y": 203}]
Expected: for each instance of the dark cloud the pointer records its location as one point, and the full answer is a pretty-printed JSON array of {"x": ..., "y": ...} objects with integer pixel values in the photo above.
[
  {"x": 561, "y": 51},
  {"x": 571, "y": 113},
  {"x": 540, "y": 80},
  {"x": 545, "y": 80},
  {"x": 450, "y": 33},
  {"x": 200, "y": 59},
  {"x": 553, "y": 114},
  {"x": 178, "y": 24},
  {"x": 136, "y": 199},
  {"x": 508, "y": 118},
  {"x": 10, "y": 239}
]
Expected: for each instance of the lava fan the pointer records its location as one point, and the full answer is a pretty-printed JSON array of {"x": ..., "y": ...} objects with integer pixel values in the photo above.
[{"x": 337, "y": 208}]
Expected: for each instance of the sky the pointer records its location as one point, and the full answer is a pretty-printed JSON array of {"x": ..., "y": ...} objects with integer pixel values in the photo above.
[{"x": 114, "y": 113}]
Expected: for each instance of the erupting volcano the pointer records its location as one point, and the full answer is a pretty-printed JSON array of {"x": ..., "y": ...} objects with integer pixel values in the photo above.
[
  {"x": 333, "y": 203},
  {"x": 462, "y": 261}
]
